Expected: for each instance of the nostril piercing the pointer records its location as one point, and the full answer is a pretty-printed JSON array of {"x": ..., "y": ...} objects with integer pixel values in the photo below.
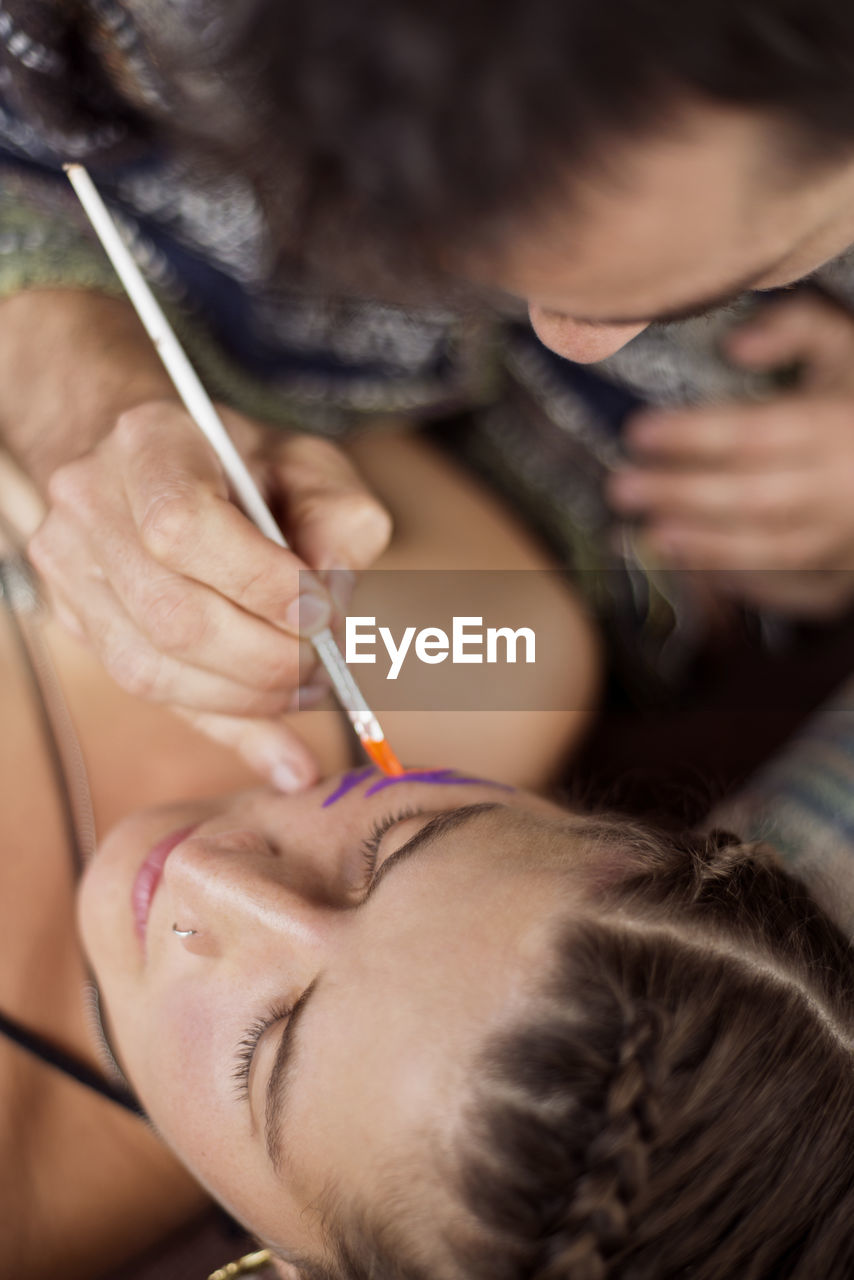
[{"x": 183, "y": 933}]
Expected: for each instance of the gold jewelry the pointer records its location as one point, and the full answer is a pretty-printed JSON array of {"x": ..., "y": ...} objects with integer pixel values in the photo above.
[{"x": 244, "y": 1266}]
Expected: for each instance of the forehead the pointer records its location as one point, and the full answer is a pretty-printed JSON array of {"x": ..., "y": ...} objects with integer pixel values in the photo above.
[{"x": 706, "y": 202}]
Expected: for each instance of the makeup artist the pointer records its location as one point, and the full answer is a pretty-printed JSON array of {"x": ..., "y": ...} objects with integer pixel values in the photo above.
[{"x": 256, "y": 154}]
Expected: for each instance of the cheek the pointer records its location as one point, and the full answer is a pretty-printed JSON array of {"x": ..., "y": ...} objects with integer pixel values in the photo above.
[{"x": 175, "y": 1047}]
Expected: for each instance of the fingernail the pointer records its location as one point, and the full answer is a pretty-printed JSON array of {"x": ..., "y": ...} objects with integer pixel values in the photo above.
[
  {"x": 286, "y": 778},
  {"x": 308, "y": 614},
  {"x": 308, "y": 696}
]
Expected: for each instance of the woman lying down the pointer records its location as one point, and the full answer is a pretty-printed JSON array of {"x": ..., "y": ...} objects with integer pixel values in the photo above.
[{"x": 429, "y": 1028}]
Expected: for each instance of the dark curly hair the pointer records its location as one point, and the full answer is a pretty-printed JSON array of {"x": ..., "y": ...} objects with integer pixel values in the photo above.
[
  {"x": 681, "y": 1102},
  {"x": 420, "y": 126}
]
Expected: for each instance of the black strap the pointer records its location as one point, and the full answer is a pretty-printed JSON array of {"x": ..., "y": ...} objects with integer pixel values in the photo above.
[
  {"x": 32, "y": 1041},
  {"x": 67, "y": 1063}
]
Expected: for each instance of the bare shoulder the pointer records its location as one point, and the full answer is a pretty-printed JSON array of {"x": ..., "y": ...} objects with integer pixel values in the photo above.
[{"x": 445, "y": 519}]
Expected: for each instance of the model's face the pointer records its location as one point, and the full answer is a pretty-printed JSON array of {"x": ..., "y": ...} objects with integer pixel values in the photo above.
[
  {"x": 396, "y": 976},
  {"x": 675, "y": 224}
]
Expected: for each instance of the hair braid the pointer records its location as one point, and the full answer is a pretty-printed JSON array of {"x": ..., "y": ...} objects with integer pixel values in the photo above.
[{"x": 599, "y": 1216}]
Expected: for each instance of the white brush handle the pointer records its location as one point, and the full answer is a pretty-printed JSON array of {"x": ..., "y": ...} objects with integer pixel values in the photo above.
[{"x": 201, "y": 409}]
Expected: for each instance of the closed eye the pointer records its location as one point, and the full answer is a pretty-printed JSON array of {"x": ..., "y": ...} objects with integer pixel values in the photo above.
[
  {"x": 371, "y": 844},
  {"x": 245, "y": 1051}
]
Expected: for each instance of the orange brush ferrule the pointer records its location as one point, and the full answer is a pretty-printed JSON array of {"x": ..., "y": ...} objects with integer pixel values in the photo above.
[{"x": 383, "y": 757}]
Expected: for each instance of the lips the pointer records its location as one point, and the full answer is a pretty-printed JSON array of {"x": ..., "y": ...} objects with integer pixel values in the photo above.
[{"x": 148, "y": 877}]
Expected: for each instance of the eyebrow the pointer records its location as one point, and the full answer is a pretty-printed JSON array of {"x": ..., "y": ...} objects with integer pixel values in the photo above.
[
  {"x": 695, "y": 310},
  {"x": 275, "y": 1094}
]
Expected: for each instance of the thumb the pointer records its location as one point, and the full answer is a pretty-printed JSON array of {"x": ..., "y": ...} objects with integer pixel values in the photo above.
[
  {"x": 805, "y": 327},
  {"x": 269, "y": 747},
  {"x": 331, "y": 519}
]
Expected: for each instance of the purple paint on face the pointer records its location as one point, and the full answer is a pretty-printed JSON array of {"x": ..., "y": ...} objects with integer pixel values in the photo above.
[
  {"x": 347, "y": 783},
  {"x": 435, "y": 778},
  {"x": 432, "y": 778}
]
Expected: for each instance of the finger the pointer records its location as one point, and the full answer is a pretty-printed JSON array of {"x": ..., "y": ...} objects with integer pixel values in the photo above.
[
  {"x": 180, "y": 618},
  {"x": 805, "y": 326},
  {"x": 139, "y": 668},
  {"x": 688, "y": 547},
  {"x": 186, "y": 523},
  {"x": 268, "y": 746},
  {"x": 200, "y": 628},
  {"x": 715, "y": 497},
  {"x": 738, "y": 435},
  {"x": 331, "y": 519}
]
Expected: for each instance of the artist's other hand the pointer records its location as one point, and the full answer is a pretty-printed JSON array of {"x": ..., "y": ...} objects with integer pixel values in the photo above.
[
  {"x": 762, "y": 493},
  {"x": 183, "y": 599}
]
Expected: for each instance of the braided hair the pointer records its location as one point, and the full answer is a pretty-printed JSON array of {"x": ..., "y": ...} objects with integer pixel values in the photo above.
[{"x": 683, "y": 1103}]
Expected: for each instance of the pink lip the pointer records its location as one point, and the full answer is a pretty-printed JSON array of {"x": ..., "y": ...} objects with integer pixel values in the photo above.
[{"x": 148, "y": 877}]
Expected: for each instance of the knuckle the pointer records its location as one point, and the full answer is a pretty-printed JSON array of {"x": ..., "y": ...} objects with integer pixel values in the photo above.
[
  {"x": 133, "y": 428},
  {"x": 70, "y": 486},
  {"x": 168, "y": 525},
  {"x": 268, "y": 586},
  {"x": 174, "y": 621}
]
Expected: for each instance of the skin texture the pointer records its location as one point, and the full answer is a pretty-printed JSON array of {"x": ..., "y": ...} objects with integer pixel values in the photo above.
[{"x": 446, "y": 949}]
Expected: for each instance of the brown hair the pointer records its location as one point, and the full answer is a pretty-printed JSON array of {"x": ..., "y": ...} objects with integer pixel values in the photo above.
[
  {"x": 406, "y": 130},
  {"x": 680, "y": 1103}
]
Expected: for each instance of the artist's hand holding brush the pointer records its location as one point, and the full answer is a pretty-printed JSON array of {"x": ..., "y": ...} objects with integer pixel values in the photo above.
[
  {"x": 144, "y": 555},
  {"x": 759, "y": 496}
]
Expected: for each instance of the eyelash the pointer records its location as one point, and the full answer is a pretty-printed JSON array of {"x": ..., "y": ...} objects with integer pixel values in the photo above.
[
  {"x": 371, "y": 843},
  {"x": 246, "y": 1048}
]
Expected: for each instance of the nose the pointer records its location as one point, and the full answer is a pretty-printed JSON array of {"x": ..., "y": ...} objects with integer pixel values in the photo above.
[
  {"x": 237, "y": 893},
  {"x": 579, "y": 340}
]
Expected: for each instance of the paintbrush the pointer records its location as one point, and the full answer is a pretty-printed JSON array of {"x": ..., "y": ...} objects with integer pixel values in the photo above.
[{"x": 201, "y": 409}]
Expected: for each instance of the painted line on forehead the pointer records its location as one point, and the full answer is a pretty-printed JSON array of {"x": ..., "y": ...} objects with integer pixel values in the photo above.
[
  {"x": 347, "y": 783},
  {"x": 435, "y": 778}
]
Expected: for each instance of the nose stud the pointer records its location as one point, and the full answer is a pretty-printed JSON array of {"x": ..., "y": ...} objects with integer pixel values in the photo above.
[{"x": 184, "y": 933}]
